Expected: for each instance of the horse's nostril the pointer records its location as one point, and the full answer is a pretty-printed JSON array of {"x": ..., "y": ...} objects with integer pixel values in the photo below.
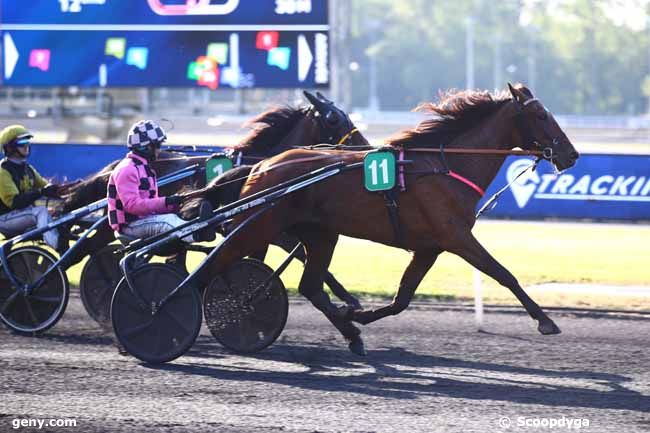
[{"x": 575, "y": 155}]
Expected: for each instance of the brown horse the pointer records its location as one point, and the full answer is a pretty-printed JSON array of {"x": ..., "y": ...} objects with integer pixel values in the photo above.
[
  {"x": 272, "y": 132},
  {"x": 437, "y": 212}
]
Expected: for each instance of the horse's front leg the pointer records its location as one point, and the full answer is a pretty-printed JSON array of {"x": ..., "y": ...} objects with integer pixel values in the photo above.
[
  {"x": 468, "y": 247},
  {"x": 420, "y": 264}
]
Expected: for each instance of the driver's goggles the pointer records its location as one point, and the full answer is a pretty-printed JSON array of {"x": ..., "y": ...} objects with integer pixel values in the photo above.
[{"x": 22, "y": 142}]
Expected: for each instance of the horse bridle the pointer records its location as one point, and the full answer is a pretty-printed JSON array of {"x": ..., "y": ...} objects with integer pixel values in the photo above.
[
  {"x": 328, "y": 135},
  {"x": 527, "y": 137}
]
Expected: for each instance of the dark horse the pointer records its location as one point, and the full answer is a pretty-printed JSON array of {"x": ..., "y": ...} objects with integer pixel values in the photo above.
[
  {"x": 273, "y": 132},
  {"x": 437, "y": 212}
]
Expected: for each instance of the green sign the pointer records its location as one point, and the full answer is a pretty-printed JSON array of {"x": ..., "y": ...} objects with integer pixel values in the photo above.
[
  {"x": 379, "y": 171},
  {"x": 216, "y": 167}
]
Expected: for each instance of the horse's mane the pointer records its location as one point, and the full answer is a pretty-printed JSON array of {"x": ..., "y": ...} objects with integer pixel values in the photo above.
[
  {"x": 270, "y": 127},
  {"x": 455, "y": 113}
]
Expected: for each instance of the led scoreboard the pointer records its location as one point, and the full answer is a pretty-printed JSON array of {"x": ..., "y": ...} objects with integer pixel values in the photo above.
[{"x": 165, "y": 43}]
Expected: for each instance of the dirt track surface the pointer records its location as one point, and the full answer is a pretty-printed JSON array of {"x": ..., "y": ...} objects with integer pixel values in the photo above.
[{"x": 427, "y": 370}]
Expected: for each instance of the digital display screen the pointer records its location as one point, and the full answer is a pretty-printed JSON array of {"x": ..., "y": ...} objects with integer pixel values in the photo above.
[{"x": 165, "y": 43}]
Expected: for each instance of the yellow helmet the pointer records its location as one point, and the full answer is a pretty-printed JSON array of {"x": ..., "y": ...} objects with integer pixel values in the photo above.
[{"x": 13, "y": 133}]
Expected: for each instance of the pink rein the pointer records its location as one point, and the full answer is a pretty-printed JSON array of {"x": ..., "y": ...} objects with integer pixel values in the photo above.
[{"x": 467, "y": 182}]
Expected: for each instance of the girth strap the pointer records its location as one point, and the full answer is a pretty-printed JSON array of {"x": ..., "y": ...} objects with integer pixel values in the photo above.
[{"x": 390, "y": 198}]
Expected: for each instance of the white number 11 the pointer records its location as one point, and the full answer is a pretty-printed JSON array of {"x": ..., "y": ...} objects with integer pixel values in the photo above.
[{"x": 384, "y": 171}]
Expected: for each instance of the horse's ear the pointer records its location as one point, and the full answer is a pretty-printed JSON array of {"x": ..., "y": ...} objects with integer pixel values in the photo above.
[
  {"x": 310, "y": 97},
  {"x": 517, "y": 95},
  {"x": 323, "y": 98},
  {"x": 313, "y": 100}
]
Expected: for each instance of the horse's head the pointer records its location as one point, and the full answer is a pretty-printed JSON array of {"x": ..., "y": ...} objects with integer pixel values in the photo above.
[
  {"x": 334, "y": 124},
  {"x": 538, "y": 130},
  {"x": 282, "y": 128}
]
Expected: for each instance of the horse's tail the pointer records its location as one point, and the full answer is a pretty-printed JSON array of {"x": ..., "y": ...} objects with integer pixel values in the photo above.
[{"x": 221, "y": 191}]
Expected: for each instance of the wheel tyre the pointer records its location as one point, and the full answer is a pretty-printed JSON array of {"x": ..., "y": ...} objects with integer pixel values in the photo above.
[
  {"x": 40, "y": 310},
  {"x": 235, "y": 322},
  {"x": 99, "y": 277},
  {"x": 172, "y": 330}
]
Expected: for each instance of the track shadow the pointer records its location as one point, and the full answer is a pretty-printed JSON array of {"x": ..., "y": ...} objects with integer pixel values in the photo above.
[
  {"x": 398, "y": 374},
  {"x": 96, "y": 338}
]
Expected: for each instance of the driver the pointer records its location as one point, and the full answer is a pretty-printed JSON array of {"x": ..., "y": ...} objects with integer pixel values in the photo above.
[
  {"x": 134, "y": 207},
  {"x": 21, "y": 185}
]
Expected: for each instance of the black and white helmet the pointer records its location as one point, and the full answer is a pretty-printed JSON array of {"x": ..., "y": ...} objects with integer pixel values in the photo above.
[{"x": 143, "y": 133}]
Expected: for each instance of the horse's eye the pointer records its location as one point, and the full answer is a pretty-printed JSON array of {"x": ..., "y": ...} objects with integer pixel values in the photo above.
[
  {"x": 332, "y": 118},
  {"x": 542, "y": 116}
]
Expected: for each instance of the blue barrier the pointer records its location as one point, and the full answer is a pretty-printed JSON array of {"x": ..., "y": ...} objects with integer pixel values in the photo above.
[
  {"x": 598, "y": 187},
  {"x": 73, "y": 161}
]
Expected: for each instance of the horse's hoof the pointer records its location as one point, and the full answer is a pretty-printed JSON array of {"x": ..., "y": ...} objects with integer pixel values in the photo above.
[
  {"x": 356, "y": 346},
  {"x": 548, "y": 327}
]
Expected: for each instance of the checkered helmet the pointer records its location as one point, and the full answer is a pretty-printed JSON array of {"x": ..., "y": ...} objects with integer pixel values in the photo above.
[{"x": 143, "y": 133}]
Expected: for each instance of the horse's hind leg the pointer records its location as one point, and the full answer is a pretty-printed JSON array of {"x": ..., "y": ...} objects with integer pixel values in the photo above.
[
  {"x": 255, "y": 236},
  {"x": 179, "y": 260},
  {"x": 418, "y": 267},
  {"x": 320, "y": 245},
  {"x": 473, "y": 252},
  {"x": 260, "y": 254},
  {"x": 288, "y": 243}
]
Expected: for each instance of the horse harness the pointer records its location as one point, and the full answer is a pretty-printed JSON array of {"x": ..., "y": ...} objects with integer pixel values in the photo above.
[{"x": 391, "y": 196}]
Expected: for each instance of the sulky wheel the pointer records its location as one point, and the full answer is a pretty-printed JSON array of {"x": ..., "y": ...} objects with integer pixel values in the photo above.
[
  {"x": 243, "y": 313},
  {"x": 99, "y": 277},
  {"x": 165, "y": 334},
  {"x": 37, "y": 311}
]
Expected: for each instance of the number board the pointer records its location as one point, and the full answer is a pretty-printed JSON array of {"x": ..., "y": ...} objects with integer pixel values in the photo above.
[
  {"x": 215, "y": 167},
  {"x": 379, "y": 171}
]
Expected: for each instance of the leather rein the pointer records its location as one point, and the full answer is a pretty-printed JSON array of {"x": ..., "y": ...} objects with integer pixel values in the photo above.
[{"x": 544, "y": 153}]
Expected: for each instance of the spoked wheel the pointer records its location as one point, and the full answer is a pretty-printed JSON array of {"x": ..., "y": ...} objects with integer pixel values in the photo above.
[
  {"x": 242, "y": 312},
  {"x": 99, "y": 278},
  {"x": 39, "y": 310},
  {"x": 165, "y": 334}
]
